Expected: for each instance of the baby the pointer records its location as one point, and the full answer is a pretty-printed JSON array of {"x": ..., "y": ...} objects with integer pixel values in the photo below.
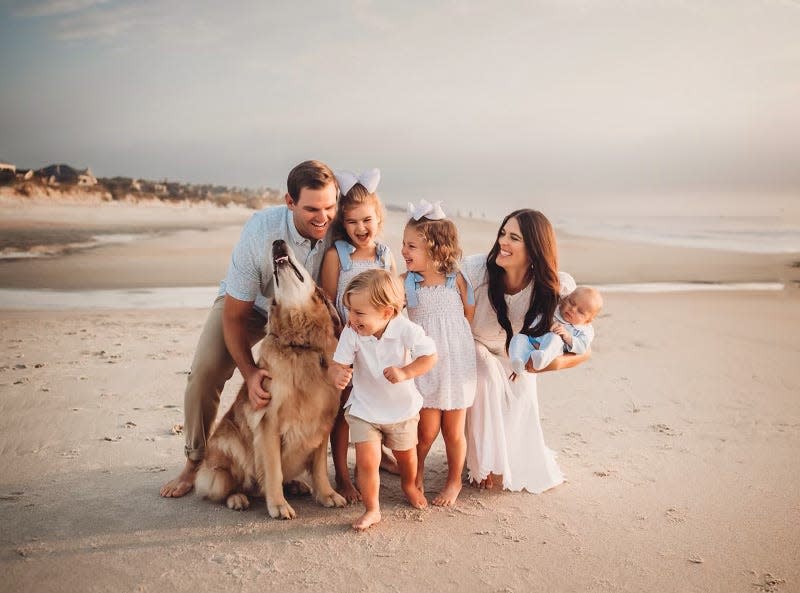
[{"x": 571, "y": 332}]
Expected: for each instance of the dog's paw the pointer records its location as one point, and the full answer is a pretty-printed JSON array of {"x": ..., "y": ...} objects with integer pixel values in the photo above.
[
  {"x": 281, "y": 510},
  {"x": 238, "y": 502},
  {"x": 332, "y": 499}
]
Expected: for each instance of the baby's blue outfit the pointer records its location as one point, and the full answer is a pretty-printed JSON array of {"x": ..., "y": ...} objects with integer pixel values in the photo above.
[{"x": 521, "y": 348}]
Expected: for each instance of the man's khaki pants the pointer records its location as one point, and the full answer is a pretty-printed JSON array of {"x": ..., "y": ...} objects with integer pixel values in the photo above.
[{"x": 211, "y": 368}]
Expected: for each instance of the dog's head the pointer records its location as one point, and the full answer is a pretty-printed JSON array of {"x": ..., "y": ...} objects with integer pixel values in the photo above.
[{"x": 293, "y": 284}]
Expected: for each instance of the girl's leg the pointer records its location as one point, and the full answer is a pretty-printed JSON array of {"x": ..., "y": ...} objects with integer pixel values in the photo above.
[
  {"x": 455, "y": 444},
  {"x": 428, "y": 429},
  {"x": 340, "y": 435},
  {"x": 368, "y": 459},
  {"x": 407, "y": 462}
]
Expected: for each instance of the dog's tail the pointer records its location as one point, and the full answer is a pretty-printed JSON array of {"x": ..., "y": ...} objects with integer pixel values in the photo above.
[{"x": 215, "y": 484}]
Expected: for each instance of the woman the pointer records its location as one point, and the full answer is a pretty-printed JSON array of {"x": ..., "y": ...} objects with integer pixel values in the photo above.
[{"x": 517, "y": 285}]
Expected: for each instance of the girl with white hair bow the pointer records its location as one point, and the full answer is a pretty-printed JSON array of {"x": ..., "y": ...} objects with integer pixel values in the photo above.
[
  {"x": 439, "y": 298},
  {"x": 356, "y": 247}
]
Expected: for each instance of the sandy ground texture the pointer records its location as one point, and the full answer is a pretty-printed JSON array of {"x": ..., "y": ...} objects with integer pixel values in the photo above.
[{"x": 679, "y": 439}]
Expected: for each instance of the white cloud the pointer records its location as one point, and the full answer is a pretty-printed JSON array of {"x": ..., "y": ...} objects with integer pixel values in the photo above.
[{"x": 36, "y": 8}]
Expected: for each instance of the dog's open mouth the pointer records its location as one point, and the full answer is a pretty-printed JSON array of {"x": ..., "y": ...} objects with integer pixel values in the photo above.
[{"x": 280, "y": 259}]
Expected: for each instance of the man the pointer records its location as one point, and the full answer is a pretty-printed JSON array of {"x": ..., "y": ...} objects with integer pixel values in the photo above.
[{"x": 238, "y": 317}]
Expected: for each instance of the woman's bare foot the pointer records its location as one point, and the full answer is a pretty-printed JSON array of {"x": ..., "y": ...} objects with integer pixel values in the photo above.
[
  {"x": 184, "y": 483},
  {"x": 367, "y": 520},
  {"x": 415, "y": 497},
  {"x": 388, "y": 462},
  {"x": 447, "y": 497},
  {"x": 348, "y": 491},
  {"x": 486, "y": 484}
]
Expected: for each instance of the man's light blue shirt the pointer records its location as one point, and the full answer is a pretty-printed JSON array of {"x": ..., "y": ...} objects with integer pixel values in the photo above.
[{"x": 250, "y": 274}]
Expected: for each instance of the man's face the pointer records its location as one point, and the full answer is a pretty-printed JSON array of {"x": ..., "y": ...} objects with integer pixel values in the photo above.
[{"x": 314, "y": 211}]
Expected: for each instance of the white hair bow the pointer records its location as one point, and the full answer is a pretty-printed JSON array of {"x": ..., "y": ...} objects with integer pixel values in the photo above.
[
  {"x": 369, "y": 179},
  {"x": 425, "y": 208}
]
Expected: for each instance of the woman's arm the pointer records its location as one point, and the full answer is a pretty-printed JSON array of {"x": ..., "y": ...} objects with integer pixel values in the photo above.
[{"x": 565, "y": 361}]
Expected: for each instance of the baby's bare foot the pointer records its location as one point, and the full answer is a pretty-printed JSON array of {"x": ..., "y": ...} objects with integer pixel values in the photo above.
[
  {"x": 448, "y": 496},
  {"x": 367, "y": 520},
  {"x": 184, "y": 483},
  {"x": 415, "y": 497}
]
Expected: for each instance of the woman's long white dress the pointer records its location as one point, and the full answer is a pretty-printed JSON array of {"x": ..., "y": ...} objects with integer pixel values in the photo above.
[{"x": 504, "y": 434}]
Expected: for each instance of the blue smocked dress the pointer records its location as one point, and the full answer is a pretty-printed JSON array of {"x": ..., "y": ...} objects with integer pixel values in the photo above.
[
  {"x": 351, "y": 268},
  {"x": 450, "y": 385}
]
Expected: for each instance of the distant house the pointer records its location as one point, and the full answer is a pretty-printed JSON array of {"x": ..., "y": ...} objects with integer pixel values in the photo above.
[
  {"x": 86, "y": 179},
  {"x": 56, "y": 174},
  {"x": 7, "y": 172}
]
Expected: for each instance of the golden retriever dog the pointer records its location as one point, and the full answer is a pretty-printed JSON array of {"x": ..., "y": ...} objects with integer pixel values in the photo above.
[{"x": 257, "y": 451}]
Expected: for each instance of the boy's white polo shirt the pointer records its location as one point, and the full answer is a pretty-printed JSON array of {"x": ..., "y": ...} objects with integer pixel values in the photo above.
[{"x": 373, "y": 397}]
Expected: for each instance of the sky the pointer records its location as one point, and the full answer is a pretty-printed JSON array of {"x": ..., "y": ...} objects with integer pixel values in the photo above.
[{"x": 450, "y": 99}]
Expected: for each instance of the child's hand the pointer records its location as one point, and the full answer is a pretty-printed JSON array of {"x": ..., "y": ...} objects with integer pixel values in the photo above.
[
  {"x": 561, "y": 331},
  {"x": 339, "y": 375},
  {"x": 394, "y": 374}
]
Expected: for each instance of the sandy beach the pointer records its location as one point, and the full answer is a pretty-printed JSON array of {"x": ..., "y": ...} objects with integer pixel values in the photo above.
[{"x": 679, "y": 438}]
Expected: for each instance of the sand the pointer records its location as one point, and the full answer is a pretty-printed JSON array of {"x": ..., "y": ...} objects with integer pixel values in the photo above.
[{"x": 679, "y": 439}]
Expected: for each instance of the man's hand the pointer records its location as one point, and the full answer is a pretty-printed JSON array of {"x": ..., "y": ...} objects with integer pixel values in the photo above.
[
  {"x": 340, "y": 375},
  {"x": 259, "y": 397},
  {"x": 394, "y": 374}
]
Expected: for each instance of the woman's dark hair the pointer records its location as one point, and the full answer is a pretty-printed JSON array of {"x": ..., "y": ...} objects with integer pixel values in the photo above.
[{"x": 540, "y": 245}]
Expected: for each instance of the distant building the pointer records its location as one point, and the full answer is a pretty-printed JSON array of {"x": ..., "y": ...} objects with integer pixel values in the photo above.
[
  {"x": 86, "y": 179},
  {"x": 7, "y": 172}
]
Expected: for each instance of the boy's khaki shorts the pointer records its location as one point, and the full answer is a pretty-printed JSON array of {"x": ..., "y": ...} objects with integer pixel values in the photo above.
[{"x": 400, "y": 436}]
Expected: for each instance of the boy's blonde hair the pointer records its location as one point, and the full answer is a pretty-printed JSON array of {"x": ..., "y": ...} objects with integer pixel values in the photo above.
[
  {"x": 357, "y": 196},
  {"x": 441, "y": 241},
  {"x": 383, "y": 288}
]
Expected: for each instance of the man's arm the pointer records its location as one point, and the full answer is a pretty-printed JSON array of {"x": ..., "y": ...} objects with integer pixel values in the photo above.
[{"x": 235, "y": 314}]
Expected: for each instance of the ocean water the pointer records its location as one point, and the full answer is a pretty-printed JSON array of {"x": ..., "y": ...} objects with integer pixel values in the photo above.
[
  {"x": 738, "y": 234},
  {"x": 740, "y": 223},
  {"x": 201, "y": 297}
]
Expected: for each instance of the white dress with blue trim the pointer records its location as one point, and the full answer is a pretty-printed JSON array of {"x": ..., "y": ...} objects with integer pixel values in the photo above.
[
  {"x": 450, "y": 385},
  {"x": 350, "y": 268}
]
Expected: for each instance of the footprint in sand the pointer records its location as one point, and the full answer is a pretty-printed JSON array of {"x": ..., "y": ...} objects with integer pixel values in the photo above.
[
  {"x": 674, "y": 515},
  {"x": 664, "y": 429},
  {"x": 769, "y": 583}
]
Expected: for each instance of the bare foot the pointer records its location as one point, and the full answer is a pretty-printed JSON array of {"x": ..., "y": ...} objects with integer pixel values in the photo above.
[
  {"x": 367, "y": 520},
  {"x": 388, "y": 462},
  {"x": 184, "y": 483},
  {"x": 448, "y": 496},
  {"x": 415, "y": 497},
  {"x": 348, "y": 491},
  {"x": 486, "y": 484}
]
